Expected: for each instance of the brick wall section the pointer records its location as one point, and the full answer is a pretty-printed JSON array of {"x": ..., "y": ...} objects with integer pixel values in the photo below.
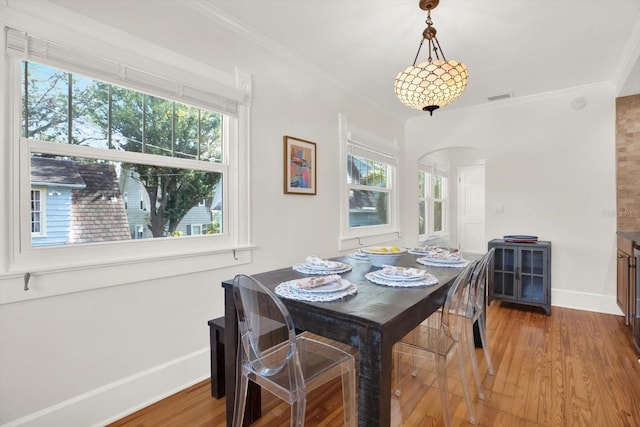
[
  {"x": 628, "y": 162},
  {"x": 97, "y": 211}
]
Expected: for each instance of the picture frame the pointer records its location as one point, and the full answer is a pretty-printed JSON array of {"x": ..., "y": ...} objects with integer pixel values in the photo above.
[{"x": 300, "y": 166}]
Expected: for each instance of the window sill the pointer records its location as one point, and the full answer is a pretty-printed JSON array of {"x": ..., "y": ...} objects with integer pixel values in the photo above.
[{"x": 68, "y": 279}]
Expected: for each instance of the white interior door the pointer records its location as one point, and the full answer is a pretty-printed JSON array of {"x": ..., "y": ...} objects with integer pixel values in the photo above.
[{"x": 471, "y": 216}]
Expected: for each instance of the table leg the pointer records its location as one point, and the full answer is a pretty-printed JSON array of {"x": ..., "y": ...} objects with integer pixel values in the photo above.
[
  {"x": 254, "y": 400},
  {"x": 374, "y": 385}
]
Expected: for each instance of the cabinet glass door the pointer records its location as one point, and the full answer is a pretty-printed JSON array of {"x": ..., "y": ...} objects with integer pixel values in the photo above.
[
  {"x": 504, "y": 268},
  {"x": 532, "y": 275}
]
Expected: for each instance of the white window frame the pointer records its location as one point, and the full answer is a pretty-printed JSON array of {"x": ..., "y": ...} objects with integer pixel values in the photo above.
[
  {"x": 43, "y": 212},
  {"x": 164, "y": 256},
  {"x": 360, "y": 143},
  {"x": 425, "y": 199},
  {"x": 430, "y": 172},
  {"x": 443, "y": 200}
]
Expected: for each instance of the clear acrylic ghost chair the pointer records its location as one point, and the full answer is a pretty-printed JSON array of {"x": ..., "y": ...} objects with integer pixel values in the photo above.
[
  {"x": 274, "y": 357},
  {"x": 477, "y": 314},
  {"x": 441, "y": 335}
]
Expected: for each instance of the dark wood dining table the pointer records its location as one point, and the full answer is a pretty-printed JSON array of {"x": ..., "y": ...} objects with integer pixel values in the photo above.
[{"x": 372, "y": 320}]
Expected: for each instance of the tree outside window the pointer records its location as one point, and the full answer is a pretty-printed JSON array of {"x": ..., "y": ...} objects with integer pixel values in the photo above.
[{"x": 64, "y": 108}]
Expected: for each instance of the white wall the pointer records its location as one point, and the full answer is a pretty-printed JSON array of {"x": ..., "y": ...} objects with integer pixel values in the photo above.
[
  {"x": 553, "y": 168},
  {"x": 89, "y": 357}
]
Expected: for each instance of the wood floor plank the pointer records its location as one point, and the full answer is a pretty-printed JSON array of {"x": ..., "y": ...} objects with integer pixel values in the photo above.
[{"x": 570, "y": 369}]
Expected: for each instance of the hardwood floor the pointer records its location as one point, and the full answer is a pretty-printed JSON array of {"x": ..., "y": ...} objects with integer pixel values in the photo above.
[{"x": 574, "y": 368}]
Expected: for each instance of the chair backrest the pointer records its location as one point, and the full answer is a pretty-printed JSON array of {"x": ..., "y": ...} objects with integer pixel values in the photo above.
[
  {"x": 479, "y": 279},
  {"x": 457, "y": 304},
  {"x": 267, "y": 334}
]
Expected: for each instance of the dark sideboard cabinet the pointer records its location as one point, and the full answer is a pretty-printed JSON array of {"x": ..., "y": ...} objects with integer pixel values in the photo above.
[{"x": 521, "y": 273}]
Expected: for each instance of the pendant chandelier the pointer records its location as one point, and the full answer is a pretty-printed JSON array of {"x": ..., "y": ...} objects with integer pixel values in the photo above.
[{"x": 435, "y": 83}]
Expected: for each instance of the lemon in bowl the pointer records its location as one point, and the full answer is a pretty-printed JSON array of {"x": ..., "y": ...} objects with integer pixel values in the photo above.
[{"x": 384, "y": 255}]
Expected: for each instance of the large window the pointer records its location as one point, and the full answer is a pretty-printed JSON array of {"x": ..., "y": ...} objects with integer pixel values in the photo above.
[
  {"x": 432, "y": 202},
  {"x": 369, "y": 190},
  {"x": 369, "y": 201},
  {"x": 69, "y": 111},
  {"x": 112, "y": 163}
]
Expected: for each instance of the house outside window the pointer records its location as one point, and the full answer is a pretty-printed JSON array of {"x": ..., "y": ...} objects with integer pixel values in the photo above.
[{"x": 69, "y": 111}]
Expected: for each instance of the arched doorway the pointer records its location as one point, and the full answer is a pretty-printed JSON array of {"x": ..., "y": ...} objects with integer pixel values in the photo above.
[{"x": 453, "y": 209}]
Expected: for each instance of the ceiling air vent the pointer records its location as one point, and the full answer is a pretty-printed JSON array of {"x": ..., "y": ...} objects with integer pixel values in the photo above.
[{"x": 503, "y": 96}]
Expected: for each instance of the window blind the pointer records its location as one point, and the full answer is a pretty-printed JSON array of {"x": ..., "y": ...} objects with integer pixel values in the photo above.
[
  {"x": 32, "y": 48},
  {"x": 371, "y": 147}
]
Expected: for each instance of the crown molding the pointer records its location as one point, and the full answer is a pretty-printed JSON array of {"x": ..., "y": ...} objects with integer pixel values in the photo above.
[
  {"x": 219, "y": 17},
  {"x": 521, "y": 100}
]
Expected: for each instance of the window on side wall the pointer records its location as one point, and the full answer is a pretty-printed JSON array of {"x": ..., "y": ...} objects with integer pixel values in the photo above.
[
  {"x": 432, "y": 202},
  {"x": 370, "y": 196},
  {"x": 103, "y": 141},
  {"x": 86, "y": 133}
]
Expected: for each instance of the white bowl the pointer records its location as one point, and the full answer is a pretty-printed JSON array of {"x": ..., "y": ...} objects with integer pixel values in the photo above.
[{"x": 379, "y": 259}]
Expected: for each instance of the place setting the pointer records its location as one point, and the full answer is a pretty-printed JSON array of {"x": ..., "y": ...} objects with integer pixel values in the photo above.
[
  {"x": 359, "y": 256},
  {"x": 401, "y": 277},
  {"x": 319, "y": 266},
  {"x": 316, "y": 289},
  {"x": 439, "y": 257}
]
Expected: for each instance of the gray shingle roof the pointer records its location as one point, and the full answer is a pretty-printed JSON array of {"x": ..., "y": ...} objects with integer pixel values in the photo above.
[
  {"x": 47, "y": 171},
  {"x": 97, "y": 208}
]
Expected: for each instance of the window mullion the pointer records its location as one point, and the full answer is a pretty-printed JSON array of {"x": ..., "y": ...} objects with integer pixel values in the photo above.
[
  {"x": 173, "y": 129},
  {"x": 110, "y": 117},
  {"x": 144, "y": 122},
  {"x": 69, "y": 109},
  {"x": 25, "y": 102}
]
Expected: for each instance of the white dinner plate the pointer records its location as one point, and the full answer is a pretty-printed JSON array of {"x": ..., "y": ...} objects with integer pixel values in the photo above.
[
  {"x": 400, "y": 277},
  {"x": 338, "y": 285},
  {"x": 319, "y": 267},
  {"x": 443, "y": 260}
]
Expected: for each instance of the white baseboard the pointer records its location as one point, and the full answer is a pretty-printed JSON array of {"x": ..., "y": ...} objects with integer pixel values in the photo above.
[
  {"x": 585, "y": 301},
  {"x": 116, "y": 400}
]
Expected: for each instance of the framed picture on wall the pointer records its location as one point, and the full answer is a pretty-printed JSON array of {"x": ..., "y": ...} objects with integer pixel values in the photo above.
[{"x": 299, "y": 166}]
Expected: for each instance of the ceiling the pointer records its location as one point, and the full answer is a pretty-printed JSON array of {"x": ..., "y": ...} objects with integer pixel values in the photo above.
[{"x": 517, "y": 47}]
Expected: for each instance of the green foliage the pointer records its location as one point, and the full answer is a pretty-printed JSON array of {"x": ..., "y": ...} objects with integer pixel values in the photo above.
[
  {"x": 214, "y": 228},
  {"x": 113, "y": 117}
]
